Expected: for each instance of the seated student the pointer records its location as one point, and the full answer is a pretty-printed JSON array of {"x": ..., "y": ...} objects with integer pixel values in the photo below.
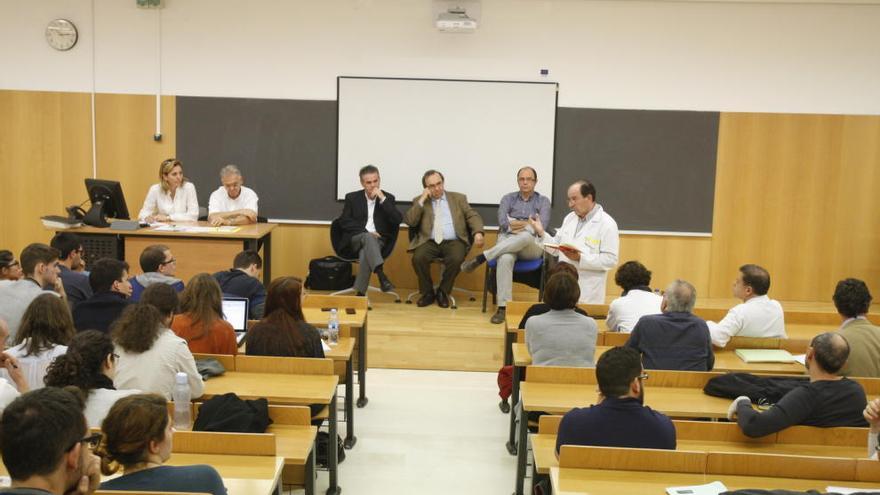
[
  {"x": 676, "y": 339},
  {"x": 46, "y": 330},
  {"x": 39, "y": 263},
  {"x": 159, "y": 266},
  {"x": 201, "y": 322},
  {"x": 150, "y": 355},
  {"x": 827, "y": 400},
  {"x": 90, "y": 365},
  {"x": 243, "y": 281},
  {"x": 852, "y": 300},
  {"x": 561, "y": 337},
  {"x": 10, "y": 268},
  {"x": 542, "y": 307},
  {"x": 109, "y": 281},
  {"x": 757, "y": 316},
  {"x": 137, "y": 438},
  {"x": 70, "y": 261},
  {"x": 637, "y": 299},
  {"x": 284, "y": 331},
  {"x": 46, "y": 444},
  {"x": 620, "y": 418},
  {"x": 10, "y": 391}
]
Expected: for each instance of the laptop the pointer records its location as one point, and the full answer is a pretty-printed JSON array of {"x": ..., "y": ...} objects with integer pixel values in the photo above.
[{"x": 235, "y": 311}]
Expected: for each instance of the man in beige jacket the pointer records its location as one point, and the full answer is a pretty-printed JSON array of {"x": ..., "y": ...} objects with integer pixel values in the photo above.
[
  {"x": 443, "y": 224},
  {"x": 852, "y": 300}
]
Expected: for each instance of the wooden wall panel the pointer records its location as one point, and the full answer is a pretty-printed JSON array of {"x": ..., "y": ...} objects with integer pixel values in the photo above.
[
  {"x": 124, "y": 125},
  {"x": 797, "y": 195},
  {"x": 45, "y": 151}
]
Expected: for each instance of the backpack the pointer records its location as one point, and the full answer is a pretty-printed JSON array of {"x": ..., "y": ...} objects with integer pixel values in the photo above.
[
  {"x": 763, "y": 390},
  {"x": 230, "y": 413},
  {"x": 322, "y": 452},
  {"x": 329, "y": 273}
]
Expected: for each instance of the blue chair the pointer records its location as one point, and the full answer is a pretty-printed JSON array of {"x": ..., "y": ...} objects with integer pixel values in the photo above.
[{"x": 529, "y": 272}]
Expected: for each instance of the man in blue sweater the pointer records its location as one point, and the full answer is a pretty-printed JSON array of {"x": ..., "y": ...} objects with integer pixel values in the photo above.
[{"x": 620, "y": 419}]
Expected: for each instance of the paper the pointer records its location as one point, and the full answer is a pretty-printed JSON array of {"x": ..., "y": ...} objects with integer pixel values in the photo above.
[
  {"x": 713, "y": 488},
  {"x": 844, "y": 490},
  {"x": 326, "y": 347},
  {"x": 194, "y": 229},
  {"x": 801, "y": 358},
  {"x": 765, "y": 355},
  {"x": 564, "y": 246}
]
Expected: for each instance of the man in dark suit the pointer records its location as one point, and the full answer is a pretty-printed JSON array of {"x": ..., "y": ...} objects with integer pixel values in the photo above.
[
  {"x": 443, "y": 228},
  {"x": 369, "y": 225}
]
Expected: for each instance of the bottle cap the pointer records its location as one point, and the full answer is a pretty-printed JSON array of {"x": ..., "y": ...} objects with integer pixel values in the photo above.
[{"x": 181, "y": 378}]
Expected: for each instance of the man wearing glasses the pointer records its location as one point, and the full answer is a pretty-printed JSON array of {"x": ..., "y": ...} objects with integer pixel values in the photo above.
[
  {"x": 516, "y": 238},
  {"x": 46, "y": 444},
  {"x": 232, "y": 203},
  {"x": 70, "y": 262},
  {"x": 159, "y": 267},
  {"x": 619, "y": 418}
]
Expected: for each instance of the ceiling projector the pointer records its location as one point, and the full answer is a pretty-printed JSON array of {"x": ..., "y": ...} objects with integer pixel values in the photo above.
[{"x": 456, "y": 20}]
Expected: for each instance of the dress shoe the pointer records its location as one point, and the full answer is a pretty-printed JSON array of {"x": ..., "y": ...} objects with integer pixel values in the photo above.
[
  {"x": 384, "y": 283},
  {"x": 425, "y": 300},
  {"x": 499, "y": 315},
  {"x": 469, "y": 265},
  {"x": 442, "y": 299}
]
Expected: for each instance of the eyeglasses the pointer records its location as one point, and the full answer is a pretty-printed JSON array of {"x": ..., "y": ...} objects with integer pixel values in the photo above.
[
  {"x": 12, "y": 264},
  {"x": 172, "y": 260},
  {"x": 114, "y": 356},
  {"x": 643, "y": 376},
  {"x": 92, "y": 441}
]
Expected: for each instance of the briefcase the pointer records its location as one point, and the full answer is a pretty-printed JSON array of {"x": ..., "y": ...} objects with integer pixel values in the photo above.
[{"x": 329, "y": 273}]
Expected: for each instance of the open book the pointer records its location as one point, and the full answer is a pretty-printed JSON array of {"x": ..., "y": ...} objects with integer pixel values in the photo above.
[{"x": 765, "y": 355}]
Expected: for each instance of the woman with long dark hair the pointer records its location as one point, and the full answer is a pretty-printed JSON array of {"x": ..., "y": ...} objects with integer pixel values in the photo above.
[
  {"x": 283, "y": 330},
  {"x": 46, "y": 329}
]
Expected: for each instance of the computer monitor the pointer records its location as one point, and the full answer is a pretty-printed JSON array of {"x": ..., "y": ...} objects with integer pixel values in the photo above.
[
  {"x": 107, "y": 201},
  {"x": 235, "y": 311}
]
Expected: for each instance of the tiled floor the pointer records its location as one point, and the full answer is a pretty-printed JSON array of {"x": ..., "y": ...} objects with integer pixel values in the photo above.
[{"x": 428, "y": 432}]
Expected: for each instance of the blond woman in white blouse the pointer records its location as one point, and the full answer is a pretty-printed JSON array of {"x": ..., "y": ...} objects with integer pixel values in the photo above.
[{"x": 173, "y": 199}]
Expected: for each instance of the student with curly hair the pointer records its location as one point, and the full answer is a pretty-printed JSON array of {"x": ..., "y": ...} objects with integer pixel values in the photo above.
[
  {"x": 637, "y": 299},
  {"x": 90, "y": 365},
  {"x": 46, "y": 330},
  {"x": 137, "y": 439},
  {"x": 201, "y": 322},
  {"x": 150, "y": 355}
]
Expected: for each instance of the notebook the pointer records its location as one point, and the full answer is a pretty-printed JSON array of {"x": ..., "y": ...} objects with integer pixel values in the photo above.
[{"x": 765, "y": 355}]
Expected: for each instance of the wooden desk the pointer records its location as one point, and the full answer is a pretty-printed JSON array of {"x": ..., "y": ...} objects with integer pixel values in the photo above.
[
  {"x": 286, "y": 390},
  {"x": 352, "y": 325},
  {"x": 571, "y": 481},
  {"x": 242, "y": 474},
  {"x": 195, "y": 252}
]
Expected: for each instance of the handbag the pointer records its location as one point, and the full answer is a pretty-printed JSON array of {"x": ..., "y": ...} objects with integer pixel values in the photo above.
[{"x": 329, "y": 273}]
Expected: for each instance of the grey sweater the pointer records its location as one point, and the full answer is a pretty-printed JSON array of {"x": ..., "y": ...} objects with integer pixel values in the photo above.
[
  {"x": 561, "y": 338},
  {"x": 15, "y": 297}
]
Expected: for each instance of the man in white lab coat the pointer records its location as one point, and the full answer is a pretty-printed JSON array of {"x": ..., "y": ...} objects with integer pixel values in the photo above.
[{"x": 588, "y": 239}]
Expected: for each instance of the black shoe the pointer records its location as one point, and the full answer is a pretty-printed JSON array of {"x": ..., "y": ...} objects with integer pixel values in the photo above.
[
  {"x": 442, "y": 299},
  {"x": 504, "y": 406},
  {"x": 384, "y": 283},
  {"x": 470, "y": 265},
  {"x": 425, "y": 300},
  {"x": 499, "y": 315}
]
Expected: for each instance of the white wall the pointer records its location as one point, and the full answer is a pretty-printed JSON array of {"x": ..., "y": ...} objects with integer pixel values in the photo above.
[{"x": 609, "y": 54}]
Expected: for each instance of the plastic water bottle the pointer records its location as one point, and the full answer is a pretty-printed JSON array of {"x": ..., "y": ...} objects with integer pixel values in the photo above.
[
  {"x": 333, "y": 327},
  {"x": 182, "y": 405}
]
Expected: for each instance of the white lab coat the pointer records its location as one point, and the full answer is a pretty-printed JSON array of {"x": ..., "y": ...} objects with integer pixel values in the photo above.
[{"x": 599, "y": 243}]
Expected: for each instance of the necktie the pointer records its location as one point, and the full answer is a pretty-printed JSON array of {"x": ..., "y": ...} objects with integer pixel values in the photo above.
[{"x": 438, "y": 227}]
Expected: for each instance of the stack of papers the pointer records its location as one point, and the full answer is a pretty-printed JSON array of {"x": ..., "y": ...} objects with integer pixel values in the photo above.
[
  {"x": 713, "y": 488},
  {"x": 765, "y": 356},
  {"x": 195, "y": 229}
]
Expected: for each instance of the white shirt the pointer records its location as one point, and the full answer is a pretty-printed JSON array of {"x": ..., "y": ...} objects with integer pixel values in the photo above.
[
  {"x": 371, "y": 207},
  {"x": 184, "y": 207},
  {"x": 624, "y": 312},
  {"x": 34, "y": 367},
  {"x": 154, "y": 370},
  {"x": 220, "y": 202},
  {"x": 599, "y": 244},
  {"x": 760, "y": 316},
  {"x": 100, "y": 401},
  {"x": 8, "y": 393}
]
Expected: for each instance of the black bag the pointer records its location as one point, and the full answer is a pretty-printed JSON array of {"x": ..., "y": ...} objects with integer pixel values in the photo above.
[
  {"x": 763, "y": 390},
  {"x": 322, "y": 452},
  {"x": 230, "y": 413},
  {"x": 329, "y": 273}
]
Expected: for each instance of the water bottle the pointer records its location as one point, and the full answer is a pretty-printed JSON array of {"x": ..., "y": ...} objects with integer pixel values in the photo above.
[
  {"x": 333, "y": 327},
  {"x": 182, "y": 404}
]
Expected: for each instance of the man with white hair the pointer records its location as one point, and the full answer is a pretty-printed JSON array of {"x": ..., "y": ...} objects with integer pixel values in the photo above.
[
  {"x": 676, "y": 339},
  {"x": 232, "y": 203}
]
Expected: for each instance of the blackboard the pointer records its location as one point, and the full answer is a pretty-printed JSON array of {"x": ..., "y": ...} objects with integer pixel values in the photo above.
[{"x": 654, "y": 170}]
